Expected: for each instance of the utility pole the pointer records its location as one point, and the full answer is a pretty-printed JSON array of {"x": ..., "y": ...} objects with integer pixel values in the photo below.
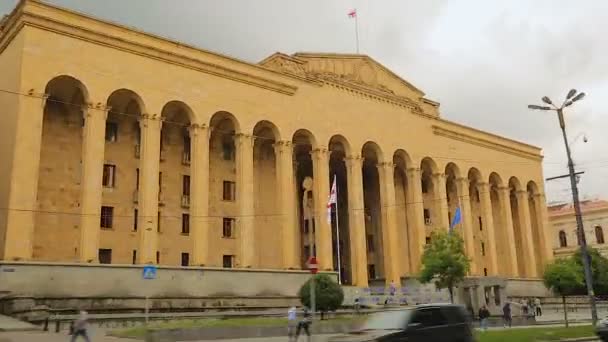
[{"x": 570, "y": 99}]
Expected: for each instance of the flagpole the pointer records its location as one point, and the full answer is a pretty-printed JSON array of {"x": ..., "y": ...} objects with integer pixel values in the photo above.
[
  {"x": 338, "y": 236},
  {"x": 357, "y": 30}
]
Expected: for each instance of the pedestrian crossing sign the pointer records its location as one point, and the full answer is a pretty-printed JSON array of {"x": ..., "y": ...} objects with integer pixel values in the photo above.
[{"x": 149, "y": 272}]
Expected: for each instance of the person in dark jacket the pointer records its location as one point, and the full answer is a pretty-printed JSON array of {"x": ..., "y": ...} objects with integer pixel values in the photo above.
[
  {"x": 304, "y": 324},
  {"x": 506, "y": 314},
  {"x": 484, "y": 314}
]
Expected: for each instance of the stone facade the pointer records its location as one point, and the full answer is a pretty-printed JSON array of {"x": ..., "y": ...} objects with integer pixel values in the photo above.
[
  {"x": 563, "y": 223},
  {"x": 248, "y": 136}
]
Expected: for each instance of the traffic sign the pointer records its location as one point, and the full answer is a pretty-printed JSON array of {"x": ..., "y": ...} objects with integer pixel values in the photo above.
[
  {"x": 313, "y": 266},
  {"x": 149, "y": 272}
]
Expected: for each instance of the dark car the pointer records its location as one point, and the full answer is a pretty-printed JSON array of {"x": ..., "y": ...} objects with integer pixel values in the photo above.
[{"x": 424, "y": 323}]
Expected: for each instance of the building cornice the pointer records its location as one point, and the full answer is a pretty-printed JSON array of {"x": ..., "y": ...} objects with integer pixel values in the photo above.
[{"x": 489, "y": 140}]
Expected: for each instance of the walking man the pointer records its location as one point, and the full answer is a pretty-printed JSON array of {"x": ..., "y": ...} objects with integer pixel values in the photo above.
[
  {"x": 304, "y": 324},
  {"x": 506, "y": 314},
  {"x": 80, "y": 327},
  {"x": 484, "y": 313},
  {"x": 539, "y": 309}
]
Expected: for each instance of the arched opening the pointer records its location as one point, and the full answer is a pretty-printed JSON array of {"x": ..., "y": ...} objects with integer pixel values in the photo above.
[
  {"x": 402, "y": 161},
  {"x": 563, "y": 240},
  {"x": 452, "y": 173},
  {"x": 372, "y": 210},
  {"x": 223, "y": 200},
  {"x": 59, "y": 173},
  {"x": 304, "y": 143},
  {"x": 599, "y": 235},
  {"x": 122, "y": 153},
  {"x": 479, "y": 231},
  {"x": 267, "y": 225},
  {"x": 432, "y": 207},
  {"x": 518, "y": 229},
  {"x": 174, "y": 172},
  {"x": 339, "y": 149},
  {"x": 500, "y": 229},
  {"x": 536, "y": 224}
]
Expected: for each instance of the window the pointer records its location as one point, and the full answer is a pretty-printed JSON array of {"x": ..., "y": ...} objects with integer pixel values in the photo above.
[
  {"x": 157, "y": 257},
  {"x": 428, "y": 240},
  {"x": 430, "y": 317},
  {"x": 228, "y": 150},
  {"x": 477, "y": 195},
  {"x": 105, "y": 256},
  {"x": 228, "y": 227},
  {"x": 134, "y": 257},
  {"x": 107, "y": 214},
  {"x": 563, "y": 241},
  {"x": 109, "y": 174},
  {"x": 185, "y": 224},
  {"x": 158, "y": 222},
  {"x": 485, "y": 271},
  {"x": 483, "y": 249},
  {"x": 137, "y": 179},
  {"x": 186, "y": 185},
  {"x": 185, "y": 259},
  {"x": 229, "y": 191},
  {"x": 111, "y": 131},
  {"x": 424, "y": 186},
  {"x": 371, "y": 271},
  {"x": 135, "y": 219},
  {"x": 427, "y": 217},
  {"x": 599, "y": 234},
  {"x": 480, "y": 223},
  {"x": 186, "y": 155},
  {"x": 227, "y": 261},
  {"x": 370, "y": 243}
]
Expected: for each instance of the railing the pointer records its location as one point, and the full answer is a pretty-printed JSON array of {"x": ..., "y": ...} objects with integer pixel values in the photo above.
[
  {"x": 186, "y": 158},
  {"x": 137, "y": 150},
  {"x": 186, "y": 201}
]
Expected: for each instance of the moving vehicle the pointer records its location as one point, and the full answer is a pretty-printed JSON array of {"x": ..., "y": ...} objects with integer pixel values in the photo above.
[{"x": 424, "y": 323}]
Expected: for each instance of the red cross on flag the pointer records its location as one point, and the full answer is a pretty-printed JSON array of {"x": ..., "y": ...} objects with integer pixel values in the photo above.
[
  {"x": 352, "y": 13},
  {"x": 333, "y": 199}
]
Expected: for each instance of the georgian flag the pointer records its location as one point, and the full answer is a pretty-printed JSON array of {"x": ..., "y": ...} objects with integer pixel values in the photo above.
[
  {"x": 352, "y": 13},
  {"x": 333, "y": 199}
]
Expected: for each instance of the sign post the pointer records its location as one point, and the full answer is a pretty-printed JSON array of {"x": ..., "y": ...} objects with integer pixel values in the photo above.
[
  {"x": 313, "y": 266},
  {"x": 149, "y": 273}
]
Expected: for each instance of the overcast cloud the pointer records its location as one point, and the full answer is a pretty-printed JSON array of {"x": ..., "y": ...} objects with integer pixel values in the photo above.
[{"x": 483, "y": 60}]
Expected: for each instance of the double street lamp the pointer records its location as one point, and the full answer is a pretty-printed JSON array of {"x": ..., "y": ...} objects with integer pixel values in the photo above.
[{"x": 572, "y": 97}]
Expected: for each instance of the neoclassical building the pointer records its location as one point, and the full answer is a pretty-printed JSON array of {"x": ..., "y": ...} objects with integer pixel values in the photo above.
[
  {"x": 122, "y": 147},
  {"x": 563, "y": 223}
]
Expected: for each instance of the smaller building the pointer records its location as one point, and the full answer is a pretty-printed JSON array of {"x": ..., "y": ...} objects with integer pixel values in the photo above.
[{"x": 563, "y": 221}]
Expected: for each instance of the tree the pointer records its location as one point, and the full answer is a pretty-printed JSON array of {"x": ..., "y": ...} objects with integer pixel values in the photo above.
[
  {"x": 565, "y": 277},
  {"x": 328, "y": 294},
  {"x": 599, "y": 271},
  {"x": 444, "y": 261}
]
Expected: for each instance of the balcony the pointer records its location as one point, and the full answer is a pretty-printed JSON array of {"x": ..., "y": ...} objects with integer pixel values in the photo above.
[
  {"x": 137, "y": 151},
  {"x": 186, "y": 158},
  {"x": 428, "y": 221},
  {"x": 135, "y": 196},
  {"x": 185, "y": 201}
]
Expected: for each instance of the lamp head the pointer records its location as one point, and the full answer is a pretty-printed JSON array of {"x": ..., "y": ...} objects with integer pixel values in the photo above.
[
  {"x": 539, "y": 107},
  {"x": 571, "y": 93},
  {"x": 578, "y": 97},
  {"x": 547, "y": 100}
]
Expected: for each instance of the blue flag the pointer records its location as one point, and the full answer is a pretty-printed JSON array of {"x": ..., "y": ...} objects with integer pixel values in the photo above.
[{"x": 457, "y": 218}]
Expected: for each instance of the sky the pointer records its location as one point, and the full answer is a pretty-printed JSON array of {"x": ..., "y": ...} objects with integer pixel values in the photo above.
[{"x": 484, "y": 61}]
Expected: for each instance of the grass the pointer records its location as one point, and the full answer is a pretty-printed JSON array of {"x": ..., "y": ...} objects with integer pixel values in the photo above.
[{"x": 535, "y": 334}]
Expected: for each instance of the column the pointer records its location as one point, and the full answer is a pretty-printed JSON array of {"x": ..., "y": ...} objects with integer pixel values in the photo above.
[
  {"x": 504, "y": 196},
  {"x": 526, "y": 233},
  {"x": 390, "y": 238},
  {"x": 323, "y": 233},
  {"x": 199, "y": 194},
  {"x": 415, "y": 211},
  {"x": 286, "y": 201},
  {"x": 22, "y": 174},
  {"x": 356, "y": 221},
  {"x": 462, "y": 185},
  {"x": 244, "y": 195},
  {"x": 546, "y": 235},
  {"x": 93, "y": 149},
  {"x": 488, "y": 223},
  {"x": 148, "y": 187},
  {"x": 441, "y": 201}
]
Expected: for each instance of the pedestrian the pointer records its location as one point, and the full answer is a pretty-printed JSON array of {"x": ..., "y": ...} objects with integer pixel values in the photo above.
[
  {"x": 484, "y": 314},
  {"x": 80, "y": 327},
  {"x": 291, "y": 322},
  {"x": 506, "y": 314},
  {"x": 304, "y": 324},
  {"x": 539, "y": 309},
  {"x": 392, "y": 288},
  {"x": 524, "y": 307},
  {"x": 357, "y": 306}
]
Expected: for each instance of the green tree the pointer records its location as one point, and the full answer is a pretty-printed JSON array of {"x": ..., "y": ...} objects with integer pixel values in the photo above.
[
  {"x": 599, "y": 271},
  {"x": 565, "y": 277},
  {"x": 328, "y": 294},
  {"x": 444, "y": 261}
]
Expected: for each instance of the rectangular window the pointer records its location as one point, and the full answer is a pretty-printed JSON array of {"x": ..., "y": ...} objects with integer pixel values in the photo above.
[
  {"x": 185, "y": 259},
  {"x": 107, "y": 216},
  {"x": 135, "y": 219},
  {"x": 157, "y": 257},
  {"x": 428, "y": 240},
  {"x": 480, "y": 224},
  {"x": 111, "y": 131},
  {"x": 228, "y": 227},
  {"x": 134, "y": 257},
  {"x": 109, "y": 175},
  {"x": 485, "y": 271},
  {"x": 158, "y": 223},
  {"x": 370, "y": 243},
  {"x": 483, "y": 249},
  {"x": 228, "y": 150},
  {"x": 424, "y": 186},
  {"x": 229, "y": 191},
  {"x": 105, "y": 256},
  {"x": 186, "y": 185},
  {"x": 186, "y": 224},
  {"x": 186, "y": 155},
  {"x": 137, "y": 179},
  {"x": 371, "y": 271},
  {"x": 227, "y": 261}
]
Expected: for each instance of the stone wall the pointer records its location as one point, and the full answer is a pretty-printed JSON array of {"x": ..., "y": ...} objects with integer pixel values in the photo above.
[{"x": 526, "y": 288}]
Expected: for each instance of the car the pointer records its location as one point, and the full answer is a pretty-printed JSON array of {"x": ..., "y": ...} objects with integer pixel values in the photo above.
[
  {"x": 422, "y": 323},
  {"x": 602, "y": 329}
]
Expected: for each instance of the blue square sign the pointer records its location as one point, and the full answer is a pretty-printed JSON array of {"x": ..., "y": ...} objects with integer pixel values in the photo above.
[{"x": 149, "y": 272}]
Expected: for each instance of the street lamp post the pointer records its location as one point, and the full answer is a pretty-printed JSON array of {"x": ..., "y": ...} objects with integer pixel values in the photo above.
[{"x": 572, "y": 97}]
